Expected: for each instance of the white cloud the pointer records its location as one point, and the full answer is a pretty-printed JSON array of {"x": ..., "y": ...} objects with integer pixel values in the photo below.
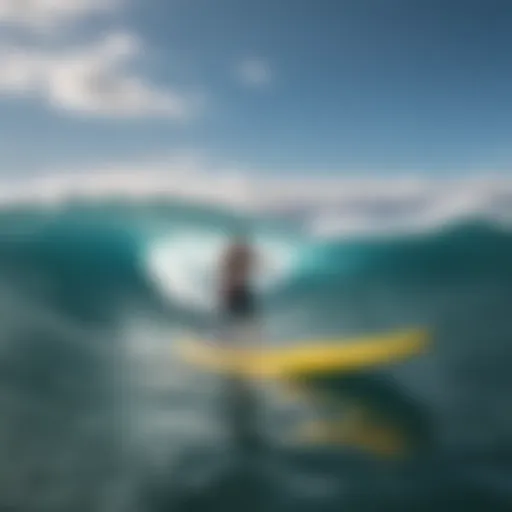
[
  {"x": 184, "y": 175},
  {"x": 254, "y": 72},
  {"x": 95, "y": 80},
  {"x": 47, "y": 14}
]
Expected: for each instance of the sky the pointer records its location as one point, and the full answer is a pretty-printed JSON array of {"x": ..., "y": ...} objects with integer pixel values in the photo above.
[{"x": 324, "y": 87}]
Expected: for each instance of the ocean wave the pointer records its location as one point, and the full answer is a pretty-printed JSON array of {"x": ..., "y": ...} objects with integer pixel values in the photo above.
[
  {"x": 184, "y": 265},
  {"x": 165, "y": 250},
  {"x": 93, "y": 293},
  {"x": 326, "y": 207}
]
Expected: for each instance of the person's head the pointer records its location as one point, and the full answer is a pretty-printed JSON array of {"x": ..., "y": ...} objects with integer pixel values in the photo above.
[
  {"x": 240, "y": 241},
  {"x": 240, "y": 236}
]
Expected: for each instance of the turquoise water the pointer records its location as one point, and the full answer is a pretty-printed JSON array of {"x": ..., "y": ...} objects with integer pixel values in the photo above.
[{"x": 98, "y": 413}]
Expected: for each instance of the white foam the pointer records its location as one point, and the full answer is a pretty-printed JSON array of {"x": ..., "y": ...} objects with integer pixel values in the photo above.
[
  {"x": 326, "y": 205},
  {"x": 184, "y": 266},
  {"x": 428, "y": 208}
]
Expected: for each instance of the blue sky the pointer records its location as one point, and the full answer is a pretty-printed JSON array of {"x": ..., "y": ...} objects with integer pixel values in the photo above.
[{"x": 348, "y": 86}]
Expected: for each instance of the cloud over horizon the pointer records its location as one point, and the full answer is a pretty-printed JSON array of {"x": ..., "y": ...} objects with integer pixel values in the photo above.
[{"x": 324, "y": 205}]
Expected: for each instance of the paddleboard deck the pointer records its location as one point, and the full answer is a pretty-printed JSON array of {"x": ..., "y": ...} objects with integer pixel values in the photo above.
[{"x": 305, "y": 358}]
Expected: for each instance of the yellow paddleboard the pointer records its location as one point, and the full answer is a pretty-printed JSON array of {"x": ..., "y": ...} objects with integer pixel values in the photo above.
[{"x": 306, "y": 358}]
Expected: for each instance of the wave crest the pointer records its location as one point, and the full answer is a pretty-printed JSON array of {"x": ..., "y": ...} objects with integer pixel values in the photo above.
[{"x": 183, "y": 265}]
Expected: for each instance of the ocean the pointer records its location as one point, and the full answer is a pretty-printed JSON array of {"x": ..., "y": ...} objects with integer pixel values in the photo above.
[{"x": 99, "y": 413}]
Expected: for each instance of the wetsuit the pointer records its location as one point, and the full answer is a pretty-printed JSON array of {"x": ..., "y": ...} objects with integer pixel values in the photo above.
[
  {"x": 238, "y": 307},
  {"x": 237, "y": 295},
  {"x": 239, "y": 302}
]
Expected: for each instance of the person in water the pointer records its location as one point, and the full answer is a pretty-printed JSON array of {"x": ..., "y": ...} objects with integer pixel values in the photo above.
[
  {"x": 238, "y": 310},
  {"x": 237, "y": 296}
]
